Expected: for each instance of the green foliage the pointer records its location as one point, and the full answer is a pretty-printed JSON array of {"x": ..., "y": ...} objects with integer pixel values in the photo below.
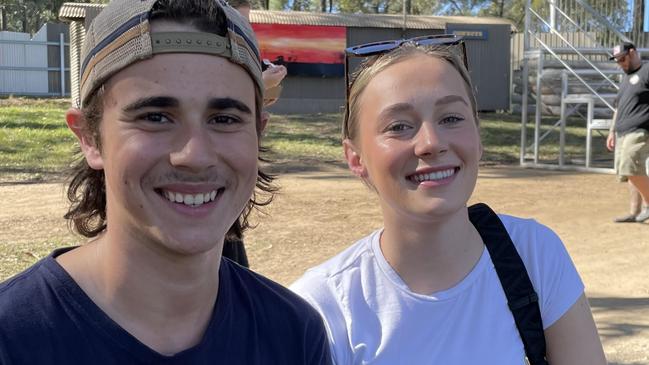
[{"x": 29, "y": 15}]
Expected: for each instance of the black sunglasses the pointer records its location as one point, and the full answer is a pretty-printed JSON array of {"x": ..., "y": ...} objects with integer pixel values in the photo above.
[{"x": 378, "y": 48}]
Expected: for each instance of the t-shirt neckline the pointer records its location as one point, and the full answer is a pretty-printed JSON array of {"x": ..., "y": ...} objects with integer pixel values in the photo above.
[
  {"x": 481, "y": 265},
  {"x": 110, "y": 329}
]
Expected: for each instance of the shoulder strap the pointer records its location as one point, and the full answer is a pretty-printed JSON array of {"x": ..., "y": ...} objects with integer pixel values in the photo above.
[{"x": 521, "y": 297}]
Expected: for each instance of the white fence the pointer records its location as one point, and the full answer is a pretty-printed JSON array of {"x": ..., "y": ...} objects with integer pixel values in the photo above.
[{"x": 24, "y": 68}]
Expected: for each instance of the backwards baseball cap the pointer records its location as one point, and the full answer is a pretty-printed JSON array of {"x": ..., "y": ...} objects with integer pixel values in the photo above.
[
  {"x": 121, "y": 35},
  {"x": 621, "y": 49}
]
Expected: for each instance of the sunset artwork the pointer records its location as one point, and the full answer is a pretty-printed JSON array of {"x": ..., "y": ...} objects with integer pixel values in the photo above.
[{"x": 306, "y": 50}]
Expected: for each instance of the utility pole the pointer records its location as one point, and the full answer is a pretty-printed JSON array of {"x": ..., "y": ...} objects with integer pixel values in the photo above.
[
  {"x": 3, "y": 9},
  {"x": 403, "y": 31},
  {"x": 24, "y": 18}
]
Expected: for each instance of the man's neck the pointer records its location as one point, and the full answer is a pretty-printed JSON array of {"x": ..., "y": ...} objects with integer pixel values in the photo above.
[
  {"x": 165, "y": 301},
  {"x": 634, "y": 69}
]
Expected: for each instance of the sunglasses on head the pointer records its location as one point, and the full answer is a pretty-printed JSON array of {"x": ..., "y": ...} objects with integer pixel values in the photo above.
[{"x": 378, "y": 48}]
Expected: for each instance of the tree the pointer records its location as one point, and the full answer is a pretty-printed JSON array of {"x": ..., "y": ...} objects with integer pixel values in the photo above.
[{"x": 29, "y": 15}]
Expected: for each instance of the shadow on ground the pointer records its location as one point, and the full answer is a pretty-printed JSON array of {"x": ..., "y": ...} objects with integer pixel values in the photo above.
[{"x": 631, "y": 316}]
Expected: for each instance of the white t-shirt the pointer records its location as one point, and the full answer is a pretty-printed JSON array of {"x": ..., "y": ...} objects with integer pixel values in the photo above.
[{"x": 373, "y": 317}]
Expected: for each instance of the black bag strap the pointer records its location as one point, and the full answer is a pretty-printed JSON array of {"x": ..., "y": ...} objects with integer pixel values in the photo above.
[{"x": 521, "y": 297}]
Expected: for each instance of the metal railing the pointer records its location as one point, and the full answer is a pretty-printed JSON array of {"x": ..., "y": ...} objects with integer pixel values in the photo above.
[{"x": 584, "y": 57}]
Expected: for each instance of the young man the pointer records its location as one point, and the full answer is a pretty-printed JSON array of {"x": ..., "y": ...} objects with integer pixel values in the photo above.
[
  {"x": 169, "y": 127},
  {"x": 629, "y": 134}
]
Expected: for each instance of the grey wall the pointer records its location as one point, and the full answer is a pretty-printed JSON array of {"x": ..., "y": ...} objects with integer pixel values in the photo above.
[{"x": 489, "y": 64}]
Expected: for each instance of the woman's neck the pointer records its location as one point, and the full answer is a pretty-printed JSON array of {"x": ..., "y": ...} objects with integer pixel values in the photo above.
[{"x": 431, "y": 255}]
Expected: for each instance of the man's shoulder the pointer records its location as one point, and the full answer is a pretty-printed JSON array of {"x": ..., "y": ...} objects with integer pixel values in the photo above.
[
  {"x": 264, "y": 294},
  {"x": 22, "y": 291},
  {"x": 26, "y": 312}
]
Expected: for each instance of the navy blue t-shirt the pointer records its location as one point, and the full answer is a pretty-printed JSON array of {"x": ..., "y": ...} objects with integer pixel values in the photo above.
[{"x": 46, "y": 318}]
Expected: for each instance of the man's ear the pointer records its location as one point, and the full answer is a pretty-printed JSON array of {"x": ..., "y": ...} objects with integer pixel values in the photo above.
[
  {"x": 354, "y": 160},
  {"x": 265, "y": 117},
  {"x": 77, "y": 124}
]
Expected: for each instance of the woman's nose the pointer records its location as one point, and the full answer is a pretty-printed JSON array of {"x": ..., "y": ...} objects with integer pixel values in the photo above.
[{"x": 429, "y": 141}]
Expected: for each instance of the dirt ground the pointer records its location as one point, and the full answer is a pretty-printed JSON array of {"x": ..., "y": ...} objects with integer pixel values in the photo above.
[{"x": 320, "y": 213}]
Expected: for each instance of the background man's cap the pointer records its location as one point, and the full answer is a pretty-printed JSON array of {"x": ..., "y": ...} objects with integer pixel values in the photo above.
[
  {"x": 621, "y": 49},
  {"x": 121, "y": 35}
]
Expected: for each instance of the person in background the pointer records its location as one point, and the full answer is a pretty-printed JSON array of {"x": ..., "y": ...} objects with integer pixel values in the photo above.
[
  {"x": 169, "y": 128},
  {"x": 439, "y": 283},
  {"x": 272, "y": 76},
  {"x": 629, "y": 134}
]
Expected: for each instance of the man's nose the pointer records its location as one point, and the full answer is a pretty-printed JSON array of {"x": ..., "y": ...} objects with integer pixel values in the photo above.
[{"x": 194, "y": 150}]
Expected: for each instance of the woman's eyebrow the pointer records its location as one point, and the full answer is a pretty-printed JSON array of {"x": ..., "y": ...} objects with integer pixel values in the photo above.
[
  {"x": 448, "y": 99},
  {"x": 395, "y": 108}
]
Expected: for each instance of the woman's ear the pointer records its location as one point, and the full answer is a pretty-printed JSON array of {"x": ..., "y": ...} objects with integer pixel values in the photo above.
[
  {"x": 78, "y": 125},
  {"x": 354, "y": 160}
]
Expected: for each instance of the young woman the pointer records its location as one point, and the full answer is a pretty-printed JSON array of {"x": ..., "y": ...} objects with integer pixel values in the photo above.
[{"x": 424, "y": 289}]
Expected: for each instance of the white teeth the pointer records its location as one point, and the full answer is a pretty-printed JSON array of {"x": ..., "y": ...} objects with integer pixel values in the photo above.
[
  {"x": 193, "y": 200},
  {"x": 433, "y": 176}
]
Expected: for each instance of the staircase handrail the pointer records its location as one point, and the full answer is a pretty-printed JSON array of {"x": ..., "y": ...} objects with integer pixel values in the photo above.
[
  {"x": 549, "y": 50},
  {"x": 553, "y": 30},
  {"x": 584, "y": 31},
  {"x": 603, "y": 20}
]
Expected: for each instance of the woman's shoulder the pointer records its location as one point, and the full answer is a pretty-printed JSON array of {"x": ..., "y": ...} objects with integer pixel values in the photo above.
[
  {"x": 548, "y": 265},
  {"x": 527, "y": 234},
  {"x": 325, "y": 277},
  {"x": 347, "y": 259}
]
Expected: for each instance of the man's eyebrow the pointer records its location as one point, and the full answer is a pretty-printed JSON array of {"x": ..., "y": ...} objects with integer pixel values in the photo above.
[
  {"x": 152, "y": 101},
  {"x": 448, "y": 99},
  {"x": 228, "y": 103}
]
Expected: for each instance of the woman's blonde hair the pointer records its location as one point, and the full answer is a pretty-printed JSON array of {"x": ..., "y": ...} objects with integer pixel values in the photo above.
[{"x": 374, "y": 65}]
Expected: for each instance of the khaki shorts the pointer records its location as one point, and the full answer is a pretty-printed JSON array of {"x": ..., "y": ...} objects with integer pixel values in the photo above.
[{"x": 631, "y": 153}]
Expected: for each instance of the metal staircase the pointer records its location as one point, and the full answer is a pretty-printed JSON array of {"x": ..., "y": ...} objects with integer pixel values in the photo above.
[{"x": 567, "y": 45}]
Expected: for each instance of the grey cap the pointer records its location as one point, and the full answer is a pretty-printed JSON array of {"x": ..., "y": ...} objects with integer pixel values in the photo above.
[{"x": 121, "y": 35}]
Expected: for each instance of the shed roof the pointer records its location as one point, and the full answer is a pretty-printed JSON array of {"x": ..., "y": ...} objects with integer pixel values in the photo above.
[
  {"x": 77, "y": 11},
  {"x": 368, "y": 20}
]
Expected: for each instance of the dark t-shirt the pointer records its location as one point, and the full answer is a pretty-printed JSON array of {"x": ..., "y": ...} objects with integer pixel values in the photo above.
[
  {"x": 46, "y": 318},
  {"x": 633, "y": 102}
]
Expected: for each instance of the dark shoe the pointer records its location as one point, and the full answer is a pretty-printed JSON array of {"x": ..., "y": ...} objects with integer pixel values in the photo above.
[
  {"x": 625, "y": 219},
  {"x": 643, "y": 216}
]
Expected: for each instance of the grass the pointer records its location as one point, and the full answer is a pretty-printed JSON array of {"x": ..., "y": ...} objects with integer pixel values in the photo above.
[
  {"x": 34, "y": 141},
  {"x": 35, "y": 144}
]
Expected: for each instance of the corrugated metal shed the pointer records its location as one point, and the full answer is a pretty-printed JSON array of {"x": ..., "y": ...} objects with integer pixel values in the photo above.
[{"x": 315, "y": 94}]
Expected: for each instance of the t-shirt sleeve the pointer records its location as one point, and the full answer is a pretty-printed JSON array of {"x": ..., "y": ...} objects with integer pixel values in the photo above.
[
  {"x": 550, "y": 268},
  {"x": 316, "y": 339},
  {"x": 314, "y": 288}
]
